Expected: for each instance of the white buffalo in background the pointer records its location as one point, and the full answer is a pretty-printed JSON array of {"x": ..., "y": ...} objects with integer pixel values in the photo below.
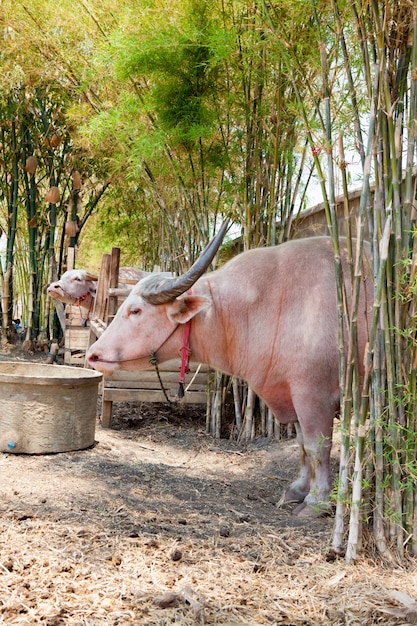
[
  {"x": 268, "y": 316},
  {"x": 78, "y": 287}
]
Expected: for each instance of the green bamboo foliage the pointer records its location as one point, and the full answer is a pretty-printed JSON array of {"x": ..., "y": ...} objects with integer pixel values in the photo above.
[
  {"x": 35, "y": 175},
  {"x": 377, "y": 479},
  {"x": 272, "y": 177},
  {"x": 12, "y": 186},
  {"x": 213, "y": 150}
]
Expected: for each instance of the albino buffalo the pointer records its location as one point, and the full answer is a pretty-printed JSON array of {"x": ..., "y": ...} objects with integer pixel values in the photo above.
[
  {"x": 76, "y": 287},
  {"x": 79, "y": 287},
  {"x": 268, "y": 316}
]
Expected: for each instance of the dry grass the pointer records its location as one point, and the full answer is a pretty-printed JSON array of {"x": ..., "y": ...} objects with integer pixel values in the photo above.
[{"x": 161, "y": 525}]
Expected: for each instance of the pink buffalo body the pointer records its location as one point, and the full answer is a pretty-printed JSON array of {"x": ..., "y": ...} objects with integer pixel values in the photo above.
[{"x": 268, "y": 316}]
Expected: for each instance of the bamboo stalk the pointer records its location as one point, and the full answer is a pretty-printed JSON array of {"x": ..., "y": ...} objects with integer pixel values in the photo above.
[
  {"x": 237, "y": 403},
  {"x": 378, "y": 513},
  {"x": 270, "y": 429},
  {"x": 351, "y": 376},
  {"x": 6, "y": 300},
  {"x": 11, "y": 223},
  {"x": 248, "y": 422},
  {"x": 410, "y": 504},
  {"x": 354, "y": 537},
  {"x": 263, "y": 412},
  {"x": 216, "y": 408},
  {"x": 378, "y": 425}
]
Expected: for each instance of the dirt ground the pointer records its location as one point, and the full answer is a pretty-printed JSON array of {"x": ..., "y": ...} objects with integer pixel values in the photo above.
[{"x": 158, "y": 524}]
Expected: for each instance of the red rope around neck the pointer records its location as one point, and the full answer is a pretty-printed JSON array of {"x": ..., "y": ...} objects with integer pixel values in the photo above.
[{"x": 185, "y": 359}]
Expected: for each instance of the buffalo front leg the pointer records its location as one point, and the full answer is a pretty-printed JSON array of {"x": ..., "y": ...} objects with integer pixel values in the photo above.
[
  {"x": 299, "y": 489},
  {"x": 317, "y": 447}
]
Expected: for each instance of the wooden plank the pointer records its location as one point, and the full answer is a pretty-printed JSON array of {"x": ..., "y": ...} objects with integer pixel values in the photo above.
[
  {"x": 119, "y": 292},
  {"x": 155, "y": 386},
  {"x": 146, "y": 395},
  {"x": 106, "y": 414},
  {"x": 70, "y": 258},
  {"x": 101, "y": 301},
  {"x": 129, "y": 281},
  {"x": 151, "y": 376},
  {"x": 73, "y": 316},
  {"x": 77, "y": 334},
  {"x": 169, "y": 366},
  {"x": 71, "y": 358},
  {"x": 113, "y": 283},
  {"x": 75, "y": 325},
  {"x": 75, "y": 345},
  {"x": 147, "y": 377},
  {"x": 97, "y": 327}
]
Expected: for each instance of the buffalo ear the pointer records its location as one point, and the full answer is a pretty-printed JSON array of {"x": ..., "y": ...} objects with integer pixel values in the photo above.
[{"x": 181, "y": 310}]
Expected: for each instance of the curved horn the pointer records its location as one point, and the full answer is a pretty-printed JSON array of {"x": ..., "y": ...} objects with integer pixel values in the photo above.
[{"x": 168, "y": 289}]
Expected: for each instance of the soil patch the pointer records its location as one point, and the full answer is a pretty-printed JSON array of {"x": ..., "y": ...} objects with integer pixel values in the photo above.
[{"x": 158, "y": 523}]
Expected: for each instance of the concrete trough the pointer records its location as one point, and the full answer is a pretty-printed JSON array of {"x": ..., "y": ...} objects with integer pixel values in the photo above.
[{"x": 47, "y": 408}]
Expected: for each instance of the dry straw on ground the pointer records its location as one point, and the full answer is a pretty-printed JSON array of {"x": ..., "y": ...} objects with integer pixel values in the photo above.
[{"x": 161, "y": 524}]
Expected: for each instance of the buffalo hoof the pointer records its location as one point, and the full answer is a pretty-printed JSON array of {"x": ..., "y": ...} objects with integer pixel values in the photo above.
[
  {"x": 293, "y": 495},
  {"x": 312, "y": 510}
]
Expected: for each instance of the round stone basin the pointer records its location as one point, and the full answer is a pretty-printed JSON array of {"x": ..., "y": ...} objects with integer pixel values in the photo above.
[{"x": 47, "y": 408}]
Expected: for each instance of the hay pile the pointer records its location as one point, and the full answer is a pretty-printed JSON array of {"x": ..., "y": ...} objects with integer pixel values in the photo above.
[{"x": 161, "y": 524}]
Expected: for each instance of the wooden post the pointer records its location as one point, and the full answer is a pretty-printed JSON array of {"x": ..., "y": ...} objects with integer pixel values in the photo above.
[
  {"x": 113, "y": 283},
  {"x": 70, "y": 258},
  {"x": 100, "y": 305}
]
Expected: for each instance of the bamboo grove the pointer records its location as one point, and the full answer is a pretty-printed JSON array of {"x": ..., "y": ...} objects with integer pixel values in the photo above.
[
  {"x": 383, "y": 434},
  {"x": 154, "y": 121},
  {"x": 377, "y": 480}
]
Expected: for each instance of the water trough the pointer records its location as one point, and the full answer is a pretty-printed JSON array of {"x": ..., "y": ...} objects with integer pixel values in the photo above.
[{"x": 47, "y": 408}]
